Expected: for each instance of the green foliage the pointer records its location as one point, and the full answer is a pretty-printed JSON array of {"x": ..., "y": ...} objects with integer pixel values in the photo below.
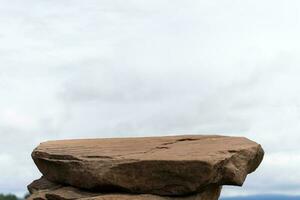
[{"x": 8, "y": 197}]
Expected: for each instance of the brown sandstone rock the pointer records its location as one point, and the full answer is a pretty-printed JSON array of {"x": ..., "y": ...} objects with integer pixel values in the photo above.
[
  {"x": 60, "y": 192},
  {"x": 41, "y": 184},
  {"x": 173, "y": 165}
]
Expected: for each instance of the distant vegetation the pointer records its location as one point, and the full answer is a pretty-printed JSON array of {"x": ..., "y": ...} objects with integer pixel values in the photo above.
[
  {"x": 12, "y": 197},
  {"x": 8, "y": 197}
]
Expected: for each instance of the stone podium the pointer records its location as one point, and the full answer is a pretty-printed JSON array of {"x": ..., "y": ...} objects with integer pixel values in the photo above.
[{"x": 191, "y": 167}]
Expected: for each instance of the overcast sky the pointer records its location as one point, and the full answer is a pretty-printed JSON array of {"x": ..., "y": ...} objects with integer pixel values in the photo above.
[{"x": 109, "y": 68}]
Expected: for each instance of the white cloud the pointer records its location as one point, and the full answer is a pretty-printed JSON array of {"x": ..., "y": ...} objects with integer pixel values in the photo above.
[{"x": 73, "y": 69}]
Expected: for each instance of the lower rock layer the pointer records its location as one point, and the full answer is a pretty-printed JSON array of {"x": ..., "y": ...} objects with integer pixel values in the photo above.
[{"x": 39, "y": 191}]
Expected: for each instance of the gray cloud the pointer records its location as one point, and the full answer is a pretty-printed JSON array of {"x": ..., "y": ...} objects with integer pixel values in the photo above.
[{"x": 73, "y": 69}]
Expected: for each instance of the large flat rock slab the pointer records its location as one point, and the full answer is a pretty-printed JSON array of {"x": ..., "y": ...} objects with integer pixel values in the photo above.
[
  {"x": 172, "y": 165},
  {"x": 39, "y": 191}
]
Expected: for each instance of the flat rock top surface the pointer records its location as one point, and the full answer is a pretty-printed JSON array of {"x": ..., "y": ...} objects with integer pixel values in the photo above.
[
  {"x": 171, "y": 165},
  {"x": 188, "y": 147}
]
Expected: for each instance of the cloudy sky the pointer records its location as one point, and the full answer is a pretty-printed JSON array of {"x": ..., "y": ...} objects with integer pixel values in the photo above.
[{"x": 115, "y": 68}]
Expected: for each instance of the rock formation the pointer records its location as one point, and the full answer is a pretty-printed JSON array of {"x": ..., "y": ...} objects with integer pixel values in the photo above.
[
  {"x": 188, "y": 167},
  {"x": 43, "y": 189}
]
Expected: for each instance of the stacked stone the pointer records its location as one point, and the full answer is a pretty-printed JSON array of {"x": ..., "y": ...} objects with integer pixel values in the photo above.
[{"x": 190, "y": 167}]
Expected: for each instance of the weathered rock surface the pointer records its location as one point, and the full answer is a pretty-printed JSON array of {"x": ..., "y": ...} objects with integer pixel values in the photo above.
[
  {"x": 59, "y": 192},
  {"x": 173, "y": 165},
  {"x": 41, "y": 184}
]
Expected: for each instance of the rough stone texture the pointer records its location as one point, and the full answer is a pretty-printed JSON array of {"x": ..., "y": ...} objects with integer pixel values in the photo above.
[
  {"x": 173, "y": 165},
  {"x": 59, "y": 192},
  {"x": 41, "y": 184}
]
